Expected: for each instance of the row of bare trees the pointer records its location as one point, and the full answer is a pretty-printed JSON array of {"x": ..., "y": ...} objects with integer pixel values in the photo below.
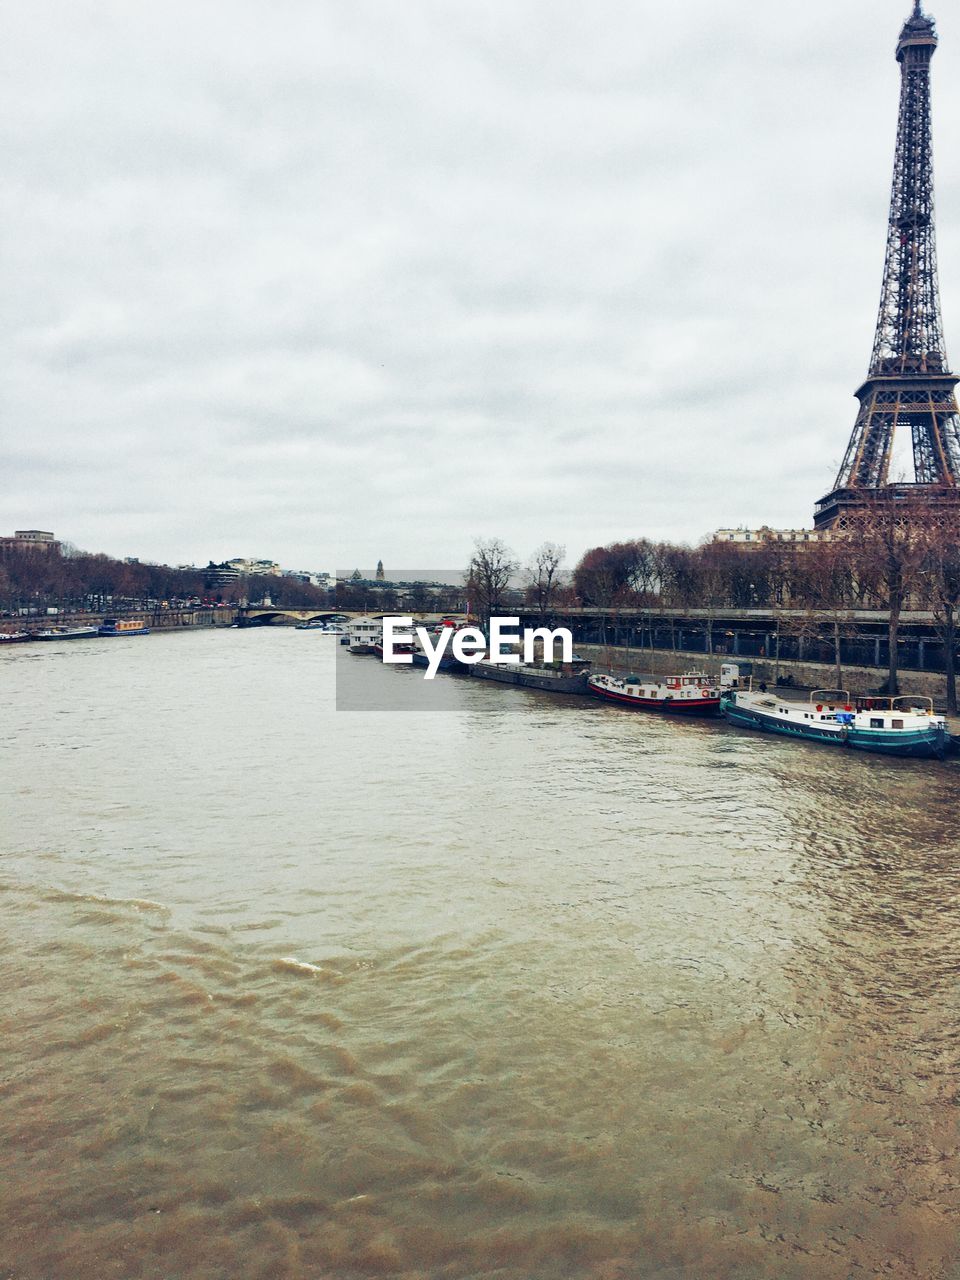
[
  {"x": 37, "y": 578},
  {"x": 495, "y": 579},
  {"x": 887, "y": 558},
  {"x": 32, "y": 578}
]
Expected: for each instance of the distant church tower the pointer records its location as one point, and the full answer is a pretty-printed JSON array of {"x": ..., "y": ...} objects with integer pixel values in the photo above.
[{"x": 379, "y": 570}]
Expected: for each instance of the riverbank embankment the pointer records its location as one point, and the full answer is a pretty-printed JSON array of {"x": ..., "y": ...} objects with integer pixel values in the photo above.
[
  {"x": 803, "y": 675},
  {"x": 157, "y": 620}
]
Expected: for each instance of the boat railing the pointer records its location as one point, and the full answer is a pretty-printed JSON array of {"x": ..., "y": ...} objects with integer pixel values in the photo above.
[
  {"x": 830, "y": 698},
  {"x": 913, "y": 702},
  {"x": 904, "y": 702}
]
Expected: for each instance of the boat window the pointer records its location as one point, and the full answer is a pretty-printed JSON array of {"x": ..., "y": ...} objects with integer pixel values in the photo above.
[
  {"x": 896, "y": 724},
  {"x": 876, "y": 722}
]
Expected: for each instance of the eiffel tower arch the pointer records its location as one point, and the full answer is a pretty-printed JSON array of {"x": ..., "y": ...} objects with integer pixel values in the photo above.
[{"x": 909, "y": 385}]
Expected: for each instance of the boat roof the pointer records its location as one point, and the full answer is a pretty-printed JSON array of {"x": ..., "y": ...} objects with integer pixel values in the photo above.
[
  {"x": 902, "y": 702},
  {"x": 829, "y": 695}
]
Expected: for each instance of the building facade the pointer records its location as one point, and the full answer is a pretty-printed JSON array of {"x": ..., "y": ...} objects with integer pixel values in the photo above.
[{"x": 40, "y": 540}]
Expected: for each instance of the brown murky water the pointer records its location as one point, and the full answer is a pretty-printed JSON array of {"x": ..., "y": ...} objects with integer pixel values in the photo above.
[{"x": 534, "y": 988}]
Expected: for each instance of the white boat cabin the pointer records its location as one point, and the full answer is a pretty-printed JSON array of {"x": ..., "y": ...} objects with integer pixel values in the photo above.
[{"x": 364, "y": 634}]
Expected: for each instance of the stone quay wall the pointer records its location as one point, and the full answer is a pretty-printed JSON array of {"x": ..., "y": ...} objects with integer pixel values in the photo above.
[
  {"x": 805, "y": 675},
  {"x": 158, "y": 620}
]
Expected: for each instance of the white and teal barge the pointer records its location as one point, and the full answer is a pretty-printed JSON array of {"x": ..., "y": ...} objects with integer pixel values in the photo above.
[{"x": 905, "y": 726}]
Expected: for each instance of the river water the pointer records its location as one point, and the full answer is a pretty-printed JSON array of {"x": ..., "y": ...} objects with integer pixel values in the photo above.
[{"x": 530, "y": 988}]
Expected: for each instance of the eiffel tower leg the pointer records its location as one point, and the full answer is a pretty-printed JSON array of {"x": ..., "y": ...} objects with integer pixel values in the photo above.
[
  {"x": 929, "y": 463},
  {"x": 867, "y": 460}
]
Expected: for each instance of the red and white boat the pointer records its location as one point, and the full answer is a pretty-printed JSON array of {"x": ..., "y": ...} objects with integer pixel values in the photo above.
[
  {"x": 693, "y": 693},
  {"x": 398, "y": 647}
]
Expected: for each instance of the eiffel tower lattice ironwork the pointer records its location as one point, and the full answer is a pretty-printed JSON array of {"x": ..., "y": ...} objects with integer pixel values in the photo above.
[{"x": 909, "y": 384}]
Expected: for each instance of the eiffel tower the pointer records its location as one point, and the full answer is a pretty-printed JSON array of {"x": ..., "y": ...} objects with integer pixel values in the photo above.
[{"x": 909, "y": 384}]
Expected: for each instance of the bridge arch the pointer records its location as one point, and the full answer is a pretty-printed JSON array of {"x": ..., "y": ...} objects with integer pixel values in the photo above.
[{"x": 269, "y": 616}]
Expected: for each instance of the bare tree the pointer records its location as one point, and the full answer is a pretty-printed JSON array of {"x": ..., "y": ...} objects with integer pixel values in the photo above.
[
  {"x": 942, "y": 580},
  {"x": 824, "y": 583},
  {"x": 419, "y": 598},
  {"x": 543, "y": 576},
  {"x": 891, "y": 548},
  {"x": 643, "y": 569},
  {"x": 488, "y": 575},
  {"x": 602, "y": 579}
]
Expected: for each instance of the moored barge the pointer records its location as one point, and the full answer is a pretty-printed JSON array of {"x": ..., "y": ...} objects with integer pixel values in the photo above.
[
  {"x": 692, "y": 693},
  {"x": 123, "y": 627},
  {"x": 66, "y": 633},
  {"x": 364, "y": 635},
  {"x": 901, "y": 726},
  {"x": 553, "y": 677}
]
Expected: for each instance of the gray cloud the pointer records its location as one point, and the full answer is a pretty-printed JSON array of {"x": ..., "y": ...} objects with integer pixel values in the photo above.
[{"x": 341, "y": 281}]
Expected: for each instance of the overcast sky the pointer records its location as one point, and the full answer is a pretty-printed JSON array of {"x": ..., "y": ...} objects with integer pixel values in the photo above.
[{"x": 333, "y": 282}]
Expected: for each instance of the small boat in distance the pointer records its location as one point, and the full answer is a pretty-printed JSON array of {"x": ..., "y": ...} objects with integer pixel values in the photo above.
[
  {"x": 693, "y": 693},
  {"x": 124, "y": 627},
  {"x": 14, "y": 637},
  {"x": 66, "y": 633},
  {"x": 901, "y": 726}
]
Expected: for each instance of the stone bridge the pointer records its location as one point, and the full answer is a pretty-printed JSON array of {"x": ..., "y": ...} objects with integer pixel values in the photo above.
[
  {"x": 271, "y": 615},
  {"x": 274, "y": 615}
]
